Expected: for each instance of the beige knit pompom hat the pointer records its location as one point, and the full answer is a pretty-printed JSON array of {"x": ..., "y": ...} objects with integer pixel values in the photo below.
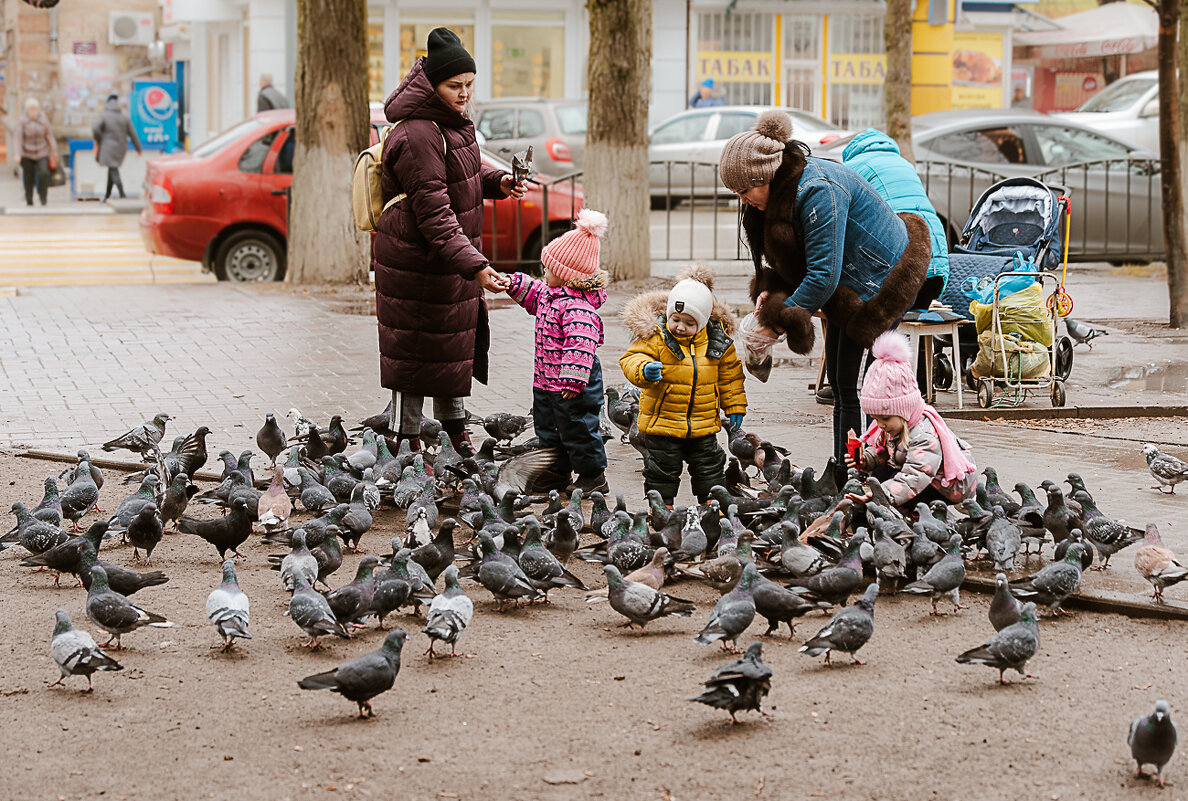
[{"x": 752, "y": 158}]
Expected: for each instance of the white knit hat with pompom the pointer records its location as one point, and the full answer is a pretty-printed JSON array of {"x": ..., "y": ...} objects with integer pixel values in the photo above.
[{"x": 574, "y": 255}]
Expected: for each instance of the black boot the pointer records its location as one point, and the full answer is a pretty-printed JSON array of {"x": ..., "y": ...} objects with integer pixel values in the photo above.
[{"x": 591, "y": 483}]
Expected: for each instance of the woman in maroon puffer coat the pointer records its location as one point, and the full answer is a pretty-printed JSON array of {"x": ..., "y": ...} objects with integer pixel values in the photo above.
[{"x": 429, "y": 273}]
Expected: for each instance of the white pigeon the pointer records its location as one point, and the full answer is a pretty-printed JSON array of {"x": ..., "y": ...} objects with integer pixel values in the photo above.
[
  {"x": 1167, "y": 469},
  {"x": 227, "y": 608},
  {"x": 450, "y": 613},
  {"x": 76, "y": 653}
]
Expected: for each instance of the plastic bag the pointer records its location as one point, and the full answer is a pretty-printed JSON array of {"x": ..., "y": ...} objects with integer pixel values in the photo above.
[
  {"x": 758, "y": 347},
  {"x": 982, "y": 290},
  {"x": 1025, "y": 360},
  {"x": 1022, "y": 313}
]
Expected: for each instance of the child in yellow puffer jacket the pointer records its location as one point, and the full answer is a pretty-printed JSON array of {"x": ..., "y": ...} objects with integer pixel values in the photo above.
[{"x": 684, "y": 362}]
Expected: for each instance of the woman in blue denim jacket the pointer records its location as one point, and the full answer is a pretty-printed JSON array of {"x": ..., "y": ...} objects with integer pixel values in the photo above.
[{"x": 823, "y": 239}]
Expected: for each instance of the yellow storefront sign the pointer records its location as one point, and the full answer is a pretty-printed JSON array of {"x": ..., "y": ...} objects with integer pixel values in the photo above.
[
  {"x": 857, "y": 68},
  {"x": 977, "y": 70},
  {"x": 734, "y": 66}
]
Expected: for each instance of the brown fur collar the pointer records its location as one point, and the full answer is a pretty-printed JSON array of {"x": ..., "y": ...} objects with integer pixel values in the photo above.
[
  {"x": 599, "y": 279},
  {"x": 644, "y": 312}
]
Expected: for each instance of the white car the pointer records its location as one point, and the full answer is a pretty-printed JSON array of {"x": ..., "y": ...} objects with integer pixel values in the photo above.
[{"x": 1127, "y": 109}]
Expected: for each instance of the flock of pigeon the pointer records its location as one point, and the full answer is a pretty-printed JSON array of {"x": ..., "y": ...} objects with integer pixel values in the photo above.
[{"x": 777, "y": 542}]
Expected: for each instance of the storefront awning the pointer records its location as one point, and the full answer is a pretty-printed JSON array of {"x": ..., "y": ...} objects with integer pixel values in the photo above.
[{"x": 1109, "y": 30}]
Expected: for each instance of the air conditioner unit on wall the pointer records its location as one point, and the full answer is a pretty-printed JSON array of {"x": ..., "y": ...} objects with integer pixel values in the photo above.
[{"x": 130, "y": 28}]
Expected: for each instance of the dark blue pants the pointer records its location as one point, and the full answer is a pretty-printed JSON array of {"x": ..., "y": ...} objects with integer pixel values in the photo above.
[{"x": 572, "y": 426}]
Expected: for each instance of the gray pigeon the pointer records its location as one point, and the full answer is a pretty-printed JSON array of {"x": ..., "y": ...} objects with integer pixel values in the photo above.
[
  {"x": 1003, "y": 540},
  {"x": 176, "y": 498},
  {"x": 81, "y": 496},
  {"x": 130, "y": 507},
  {"x": 779, "y": 605},
  {"x": 943, "y": 578},
  {"x": 1167, "y": 469},
  {"x": 733, "y": 613},
  {"x": 363, "y": 677},
  {"x": 1004, "y": 608},
  {"x": 890, "y": 558},
  {"x": 76, "y": 653},
  {"x": 145, "y": 531},
  {"x": 271, "y": 439},
  {"x": 501, "y": 574},
  {"x": 638, "y": 602},
  {"x": 297, "y": 563},
  {"x": 1083, "y": 333},
  {"x": 313, "y": 495},
  {"x": 114, "y": 613},
  {"x": 1152, "y": 740},
  {"x": 739, "y": 685},
  {"x": 1053, "y": 583},
  {"x": 142, "y": 440},
  {"x": 848, "y": 630},
  {"x": 1106, "y": 535},
  {"x": 310, "y": 611},
  {"x": 505, "y": 427},
  {"x": 227, "y": 608},
  {"x": 543, "y": 569},
  {"x": 1009, "y": 648},
  {"x": 450, "y": 613},
  {"x": 352, "y": 602},
  {"x": 33, "y": 534}
]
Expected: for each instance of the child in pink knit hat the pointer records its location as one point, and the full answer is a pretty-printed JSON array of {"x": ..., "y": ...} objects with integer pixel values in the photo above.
[
  {"x": 912, "y": 452},
  {"x": 567, "y": 379}
]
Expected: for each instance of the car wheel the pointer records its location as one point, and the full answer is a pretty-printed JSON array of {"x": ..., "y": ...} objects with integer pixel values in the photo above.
[{"x": 250, "y": 257}]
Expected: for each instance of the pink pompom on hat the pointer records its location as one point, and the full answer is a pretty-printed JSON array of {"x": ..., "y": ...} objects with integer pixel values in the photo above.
[
  {"x": 890, "y": 386},
  {"x": 574, "y": 255}
]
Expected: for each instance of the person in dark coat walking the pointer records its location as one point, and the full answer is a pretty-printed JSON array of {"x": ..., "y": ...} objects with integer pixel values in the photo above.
[
  {"x": 37, "y": 149},
  {"x": 270, "y": 97},
  {"x": 429, "y": 272},
  {"x": 112, "y": 131}
]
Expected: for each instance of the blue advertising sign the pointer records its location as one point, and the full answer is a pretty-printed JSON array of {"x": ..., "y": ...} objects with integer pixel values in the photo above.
[{"x": 154, "y": 113}]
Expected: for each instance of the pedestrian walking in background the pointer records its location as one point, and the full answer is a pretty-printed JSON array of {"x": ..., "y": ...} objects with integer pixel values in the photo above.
[
  {"x": 37, "y": 149},
  {"x": 111, "y": 131},
  {"x": 830, "y": 243},
  {"x": 705, "y": 96},
  {"x": 567, "y": 387},
  {"x": 270, "y": 97},
  {"x": 434, "y": 332},
  {"x": 684, "y": 363}
]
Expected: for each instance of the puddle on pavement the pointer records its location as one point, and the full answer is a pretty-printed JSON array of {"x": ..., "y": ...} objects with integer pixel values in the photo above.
[
  {"x": 1150, "y": 378},
  {"x": 366, "y": 307}
]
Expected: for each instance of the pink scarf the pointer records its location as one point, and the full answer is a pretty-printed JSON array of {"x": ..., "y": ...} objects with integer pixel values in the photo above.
[{"x": 953, "y": 461}]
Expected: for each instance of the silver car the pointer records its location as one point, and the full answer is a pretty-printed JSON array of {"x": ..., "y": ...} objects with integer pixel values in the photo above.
[
  {"x": 686, "y": 148},
  {"x": 556, "y": 129},
  {"x": 1127, "y": 109},
  {"x": 1114, "y": 186}
]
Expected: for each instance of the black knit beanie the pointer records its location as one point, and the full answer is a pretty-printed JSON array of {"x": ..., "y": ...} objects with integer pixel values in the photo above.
[{"x": 447, "y": 57}]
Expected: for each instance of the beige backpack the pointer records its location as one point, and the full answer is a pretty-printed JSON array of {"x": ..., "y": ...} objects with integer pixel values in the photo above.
[{"x": 367, "y": 197}]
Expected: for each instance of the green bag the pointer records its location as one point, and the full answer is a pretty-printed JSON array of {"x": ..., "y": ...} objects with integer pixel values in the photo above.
[
  {"x": 1022, "y": 313},
  {"x": 1024, "y": 359}
]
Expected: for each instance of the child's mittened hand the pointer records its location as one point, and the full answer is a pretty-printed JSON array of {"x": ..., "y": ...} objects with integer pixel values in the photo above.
[
  {"x": 653, "y": 371},
  {"x": 735, "y": 421}
]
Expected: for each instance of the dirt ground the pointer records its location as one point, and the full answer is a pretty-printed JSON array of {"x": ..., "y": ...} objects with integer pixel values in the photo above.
[{"x": 559, "y": 703}]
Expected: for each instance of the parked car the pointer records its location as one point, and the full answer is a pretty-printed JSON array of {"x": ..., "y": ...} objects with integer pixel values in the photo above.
[
  {"x": 556, "y": 129},
  {"x": 1127, "y": 109},
  {"x": 226, "y": 203},
  {"x": 686, "y": 148},
  {"x": 1114, "y": 185}
]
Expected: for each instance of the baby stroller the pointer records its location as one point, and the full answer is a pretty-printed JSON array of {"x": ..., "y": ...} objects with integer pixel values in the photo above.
[{"x": 1014, "y": 222}]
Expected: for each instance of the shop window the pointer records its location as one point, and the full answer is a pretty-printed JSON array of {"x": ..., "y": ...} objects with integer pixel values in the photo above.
[
  {"x": 252, "y": 159},
  {"x": 498, "y": 123},
  {"x": 528, "y": 54},
  {"x": 375, "y": 55},
  {"x": 736, "y": 49},
  {"x": 531, "y": 123}
]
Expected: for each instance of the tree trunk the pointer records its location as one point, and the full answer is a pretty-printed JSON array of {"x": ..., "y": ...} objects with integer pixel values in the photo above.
[
  {"x": 332, "y": 127},
  {"x": 1171, "y": 151},
  {"x": 897, "y": 87},
  {"x": 615, "y": 166}
]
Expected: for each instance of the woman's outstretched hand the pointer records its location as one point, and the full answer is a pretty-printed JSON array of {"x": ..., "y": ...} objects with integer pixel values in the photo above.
[
  {"x": 762, "y": 329},
  {"x": 492, "y": 280},
  {"x": 510, "y": 188}
]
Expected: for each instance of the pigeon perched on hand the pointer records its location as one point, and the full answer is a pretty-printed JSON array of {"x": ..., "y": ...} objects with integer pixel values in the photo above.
[
  {"x": 1152, "y": 741},
  {"x": 848, "y": 630},
  {"x": 1167, "y": 469},
  {"x": 1009, "y": 648},
  {"x": 143, "y": 439},
  {"x": 1083, "y": 333},
  {"x": 76, "y": 653},
  {"x": 363, "y": 677},
  {"x": 228, "y": 608},
  {"x": 740, "y": 685}
]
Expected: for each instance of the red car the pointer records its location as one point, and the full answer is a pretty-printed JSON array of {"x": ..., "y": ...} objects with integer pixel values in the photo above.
[{"x": 226, "y": 204}]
